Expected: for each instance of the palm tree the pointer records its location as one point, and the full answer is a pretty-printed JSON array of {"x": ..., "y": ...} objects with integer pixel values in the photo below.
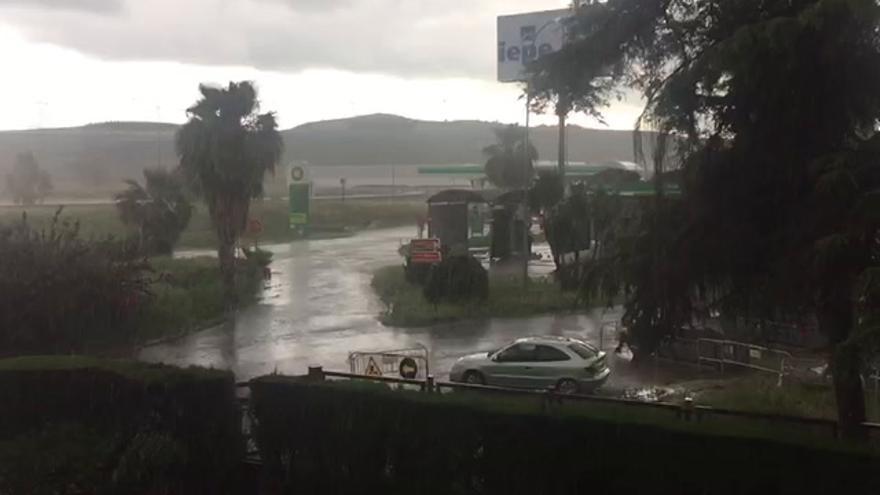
[
  {"x": 225, "y": 150},
  {"x": 508, "y": 166},
  {"x": 778, "y": 215},
  {"x": 159, "y": 209}
]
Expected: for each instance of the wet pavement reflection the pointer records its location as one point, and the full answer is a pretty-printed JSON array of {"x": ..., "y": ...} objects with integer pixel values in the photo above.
[{"x": 319, "y": 306}]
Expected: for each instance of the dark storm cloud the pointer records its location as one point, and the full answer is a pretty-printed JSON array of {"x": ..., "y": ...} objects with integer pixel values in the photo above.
[
  {"x": 423, "y": 38},
  {"x": 100, "y": 6}
]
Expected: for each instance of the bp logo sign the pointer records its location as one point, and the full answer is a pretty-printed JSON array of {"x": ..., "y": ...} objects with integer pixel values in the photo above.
[
  {"x": 299, "y": 193},
  {"x": 297, "y": 173}
]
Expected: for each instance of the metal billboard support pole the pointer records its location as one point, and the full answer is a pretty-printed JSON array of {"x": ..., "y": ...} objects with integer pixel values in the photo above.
[
  {"x": 560, "y": 141},
  {"x": 524, "y": 249}
]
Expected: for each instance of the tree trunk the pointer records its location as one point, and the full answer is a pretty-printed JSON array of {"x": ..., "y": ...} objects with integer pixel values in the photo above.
[
  {"x": 835, "y": 315},
  {"x": 550, "y": 235},
  {"x": 226, "y": 255},
  {"x": 228, "y": 223},
  {"x": 561, "y": 147}
]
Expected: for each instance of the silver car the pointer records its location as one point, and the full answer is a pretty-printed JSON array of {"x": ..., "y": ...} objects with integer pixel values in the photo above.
[{"x": 565, "y": 364}]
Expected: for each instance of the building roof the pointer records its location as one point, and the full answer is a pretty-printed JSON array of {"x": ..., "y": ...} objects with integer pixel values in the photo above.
[{"x": 453, "y": 196}]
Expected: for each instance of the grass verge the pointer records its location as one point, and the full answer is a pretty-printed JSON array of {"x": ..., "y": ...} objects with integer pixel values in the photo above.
[
  {"x": 188, "y": 294},
  {"x": 760, "y": 393},
  {"x": 406, "y": 306},
  {"x": 329, "y": 218}
]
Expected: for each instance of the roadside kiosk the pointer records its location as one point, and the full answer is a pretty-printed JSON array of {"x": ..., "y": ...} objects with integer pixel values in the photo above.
[{"x": 454, "y": 217}]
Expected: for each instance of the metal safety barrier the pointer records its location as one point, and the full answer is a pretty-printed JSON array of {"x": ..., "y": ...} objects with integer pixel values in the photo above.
[
  {"x": 411, "y": 363},
  {"x": 608, "y": 328},
  {"x": 751, "y": 356}
]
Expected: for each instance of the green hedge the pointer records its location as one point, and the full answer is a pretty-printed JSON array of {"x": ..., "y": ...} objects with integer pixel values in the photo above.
[
  {"x": 335, "y": 438},
  {"x": 457, "y": 279},
  {"x": 130, "y": 427}
]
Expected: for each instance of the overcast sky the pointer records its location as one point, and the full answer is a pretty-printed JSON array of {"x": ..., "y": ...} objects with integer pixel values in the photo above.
[{"x": 70, "y": 62}]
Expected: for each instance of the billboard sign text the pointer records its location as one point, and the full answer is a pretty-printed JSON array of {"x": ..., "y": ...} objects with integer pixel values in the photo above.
[
  {"x": 425, "y": 251},
  {"x": 524, "y": 38}
]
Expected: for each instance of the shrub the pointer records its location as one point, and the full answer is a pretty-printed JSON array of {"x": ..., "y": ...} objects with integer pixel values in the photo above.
[
  {"x": 406, "y": 305},
  {"x": 121, "y": 426},
  {"x": 188, "y": 293},
  {"x": 417, "y": 273},
  {"x": 259, "y": 256},
  {"x": 457, "y": 279},
  {"x": 334, "y": 438},
  {"x": 61, "y": 455},
  {"x": 59, "y": 291}
]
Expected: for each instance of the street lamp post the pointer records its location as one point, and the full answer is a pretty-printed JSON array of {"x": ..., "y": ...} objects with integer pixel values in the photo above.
[
  {"x": 525, "y": 249},
  {"x": 527, "y": 159}
]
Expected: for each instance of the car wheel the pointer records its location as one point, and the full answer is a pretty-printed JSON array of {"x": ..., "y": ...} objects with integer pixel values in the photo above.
[
  {"x": 567, "y": 386},
  {"x": 474, "y": 378}
]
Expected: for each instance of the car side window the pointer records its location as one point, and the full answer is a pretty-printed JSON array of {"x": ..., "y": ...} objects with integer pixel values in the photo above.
[
  {"x": 583, "y": 351},
  {"x": 517, "y": 353},
  {"x": 547, "y": 353}
]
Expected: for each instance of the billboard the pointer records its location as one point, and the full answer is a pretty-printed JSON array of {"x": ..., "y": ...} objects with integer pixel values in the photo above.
[
  {"x": 523, "y": 38},
  {"x": 300, "y": 204},
  {"x": 300, "y": 195}
]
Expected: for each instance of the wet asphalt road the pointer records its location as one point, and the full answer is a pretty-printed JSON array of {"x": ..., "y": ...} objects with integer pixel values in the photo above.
[{"x": 319, "y": 306}]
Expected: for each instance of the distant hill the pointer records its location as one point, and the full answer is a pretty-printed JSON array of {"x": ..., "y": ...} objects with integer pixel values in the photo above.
[
  {"x": 387, "y": 139},
  {"x": 104, "y": 153}
]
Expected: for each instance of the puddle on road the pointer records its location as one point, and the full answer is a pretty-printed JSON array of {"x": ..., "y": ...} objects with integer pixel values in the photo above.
[{"x": 650, "y": 394}]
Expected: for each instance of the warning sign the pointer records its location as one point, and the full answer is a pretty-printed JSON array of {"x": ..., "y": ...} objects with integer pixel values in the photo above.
[
  {"x": 408, "y": 368},
  {"x": 372, "y": 368},
  {"x": 254, "y": 227}
]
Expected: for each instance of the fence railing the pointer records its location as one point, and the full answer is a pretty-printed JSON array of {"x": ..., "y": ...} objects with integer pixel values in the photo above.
[
  {"x": 744, "y": 355},
  {"x": 874, "y": 379},
  {"x": 686, "y": 410}
]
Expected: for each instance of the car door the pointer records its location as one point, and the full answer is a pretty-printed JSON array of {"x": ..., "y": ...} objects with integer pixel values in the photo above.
[
  {"x": 513, "y": 367},
  {"x": 550, "y": 365}
]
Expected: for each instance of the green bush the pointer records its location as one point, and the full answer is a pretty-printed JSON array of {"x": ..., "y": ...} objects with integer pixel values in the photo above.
[
  {"x": 457, "y": 279},
  {"x": 405, "y": 303},
  {"x": 417, "y": 273},
  {"x": 150, "y": 428},
  {"x": 59, "y": 291},
  {"x": 333, "y": 438},
  {"x": 61, "y": 458}
]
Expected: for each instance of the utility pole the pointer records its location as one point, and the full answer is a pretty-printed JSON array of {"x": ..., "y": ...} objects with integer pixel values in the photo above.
[
  {"x": 41, "y": 113},
  {"x": 158, "y": 138},
  {"x": 393, "y": 182}
]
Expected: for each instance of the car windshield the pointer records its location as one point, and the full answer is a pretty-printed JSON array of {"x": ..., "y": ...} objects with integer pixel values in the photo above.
[{"x": 584, "y": 350}]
